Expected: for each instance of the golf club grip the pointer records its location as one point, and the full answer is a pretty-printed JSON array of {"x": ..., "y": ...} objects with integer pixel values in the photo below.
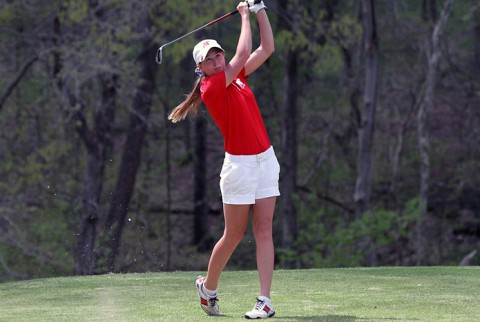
[
  {"x": 226, "y": 15},
  {"x": 229, "y": 14}
]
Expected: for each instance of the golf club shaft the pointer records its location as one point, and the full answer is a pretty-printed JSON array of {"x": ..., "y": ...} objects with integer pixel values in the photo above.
[
  {"x": 159, "y": 56},
  {"x": 159, "y": 52}
]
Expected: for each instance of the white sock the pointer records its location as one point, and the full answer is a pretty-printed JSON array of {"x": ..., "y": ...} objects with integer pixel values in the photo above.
[
  {"x": 264, "y": 299},
  {"x": 208, "y": 292}
]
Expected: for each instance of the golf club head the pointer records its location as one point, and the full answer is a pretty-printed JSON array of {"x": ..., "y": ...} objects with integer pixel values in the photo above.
[{"x": 159, "y": 55}]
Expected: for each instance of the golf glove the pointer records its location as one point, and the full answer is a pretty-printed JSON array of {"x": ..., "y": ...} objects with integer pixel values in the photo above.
[{"x": 256, "y": 7}]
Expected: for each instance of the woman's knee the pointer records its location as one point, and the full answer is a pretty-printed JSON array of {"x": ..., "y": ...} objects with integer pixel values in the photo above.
[
  {"x": 262, "y": 230},
  {"x": 233, "y": 238}
]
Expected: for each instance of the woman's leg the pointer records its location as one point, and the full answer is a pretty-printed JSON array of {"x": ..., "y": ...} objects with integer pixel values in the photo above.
[
  {"x": 236, "y": 220},
  {"x": 262, "y": 222}
]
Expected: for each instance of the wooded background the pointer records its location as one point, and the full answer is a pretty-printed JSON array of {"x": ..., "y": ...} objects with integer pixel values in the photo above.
[{"x": 372, "y": 107}]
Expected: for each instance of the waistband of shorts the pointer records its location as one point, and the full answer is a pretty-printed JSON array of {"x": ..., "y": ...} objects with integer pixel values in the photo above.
[{"x": 250, "y": 158}]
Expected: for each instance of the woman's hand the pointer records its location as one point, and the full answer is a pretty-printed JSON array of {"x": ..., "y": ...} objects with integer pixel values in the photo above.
[
  {"x": 256, "y": 7},
  {"x": 243, "y": 9}
]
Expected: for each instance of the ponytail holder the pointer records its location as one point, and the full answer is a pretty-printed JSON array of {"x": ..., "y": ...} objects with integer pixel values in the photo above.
[{"x": 199, "y": 72}]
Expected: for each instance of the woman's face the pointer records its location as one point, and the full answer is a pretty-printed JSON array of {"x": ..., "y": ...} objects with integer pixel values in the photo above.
[{"x": 214, "y": 63}]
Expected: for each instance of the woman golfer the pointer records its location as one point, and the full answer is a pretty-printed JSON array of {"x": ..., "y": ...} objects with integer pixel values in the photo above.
[{"x": 249, "y": 176}]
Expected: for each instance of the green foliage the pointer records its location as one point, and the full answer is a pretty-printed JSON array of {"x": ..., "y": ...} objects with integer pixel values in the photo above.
[
  {"x": 7, "y": 14},
  {"x": 42, "y": 158},
  {"x": 76, "y": 11},
  {"x": 329, "y": 238},
  {"x": 37, "y": 243},
  {"x": 330, "y": 63}
]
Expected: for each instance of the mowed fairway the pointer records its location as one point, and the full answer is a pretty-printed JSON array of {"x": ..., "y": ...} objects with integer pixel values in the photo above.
[{"x": 356, "y": 294}]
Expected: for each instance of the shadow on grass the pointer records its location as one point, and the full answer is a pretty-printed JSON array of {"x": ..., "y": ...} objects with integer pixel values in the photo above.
[
  {"x": 325, "y": 318},
  {"x": 328, "y": 318},
  {"x": 319, "y": 318}
]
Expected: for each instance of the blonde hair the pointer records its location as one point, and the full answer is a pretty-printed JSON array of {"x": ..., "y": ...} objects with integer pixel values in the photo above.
[{"x": 190, "y": 104}]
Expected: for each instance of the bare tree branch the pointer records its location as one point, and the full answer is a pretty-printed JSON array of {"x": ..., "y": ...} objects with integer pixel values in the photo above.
[
  {"x": 16, "y": 81},
  {"x": 434, "y": 55}
]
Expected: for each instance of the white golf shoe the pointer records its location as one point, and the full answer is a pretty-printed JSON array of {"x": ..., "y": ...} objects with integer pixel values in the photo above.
[
  {"x": 262, "y": 310},
  {"x": 208, "y": 304}
]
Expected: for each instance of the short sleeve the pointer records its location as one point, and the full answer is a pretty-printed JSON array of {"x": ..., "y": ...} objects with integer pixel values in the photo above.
[{"x": 213, "y": 88}]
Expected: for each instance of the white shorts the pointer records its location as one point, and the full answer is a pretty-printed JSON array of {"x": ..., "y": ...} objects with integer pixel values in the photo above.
[{"x": 245, "y": 178}]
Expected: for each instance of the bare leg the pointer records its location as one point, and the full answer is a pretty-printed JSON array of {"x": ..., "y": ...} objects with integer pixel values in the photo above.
[
  {"x": 236, "y": 220},
  {"x": 262, "y": 229}
]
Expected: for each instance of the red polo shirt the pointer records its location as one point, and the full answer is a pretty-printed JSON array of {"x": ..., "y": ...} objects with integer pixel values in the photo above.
[{"x": 236, "y": 113}]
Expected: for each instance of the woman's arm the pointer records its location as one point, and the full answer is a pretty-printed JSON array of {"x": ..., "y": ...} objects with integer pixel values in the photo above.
[
  {"x": 267, "y": 44},
  {"x": 244, "y": 46}
]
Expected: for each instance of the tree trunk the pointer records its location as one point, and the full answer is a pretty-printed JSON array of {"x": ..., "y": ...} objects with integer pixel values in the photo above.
[
  {"x": 476, "y": 33},
  {"x": 168, "y": 186},
  {"x": 429, "y": 10},
  {"x": 363, "y": 185},
  {"x": 98, "y": 143},
  {"x": 87, "y": 232},
  {"x": 132, "y": 152},
  {"x": 98, "y": 146},
  {"x": 434, "y": 54},
  {"x": 289, "y": 112},
  {"x": 289, "y": 150},
  {"x": 201, "y": 232}
]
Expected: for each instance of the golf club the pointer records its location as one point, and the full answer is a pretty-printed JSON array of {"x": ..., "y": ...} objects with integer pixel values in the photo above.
[{"x": 159, "y": 56}]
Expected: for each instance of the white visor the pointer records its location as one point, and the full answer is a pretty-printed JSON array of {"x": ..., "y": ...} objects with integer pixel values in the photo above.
[{"x": 201, "y": 50}]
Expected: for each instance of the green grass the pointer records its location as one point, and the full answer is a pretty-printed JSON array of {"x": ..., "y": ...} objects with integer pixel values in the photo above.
[{"x": 357, "y": 294}]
